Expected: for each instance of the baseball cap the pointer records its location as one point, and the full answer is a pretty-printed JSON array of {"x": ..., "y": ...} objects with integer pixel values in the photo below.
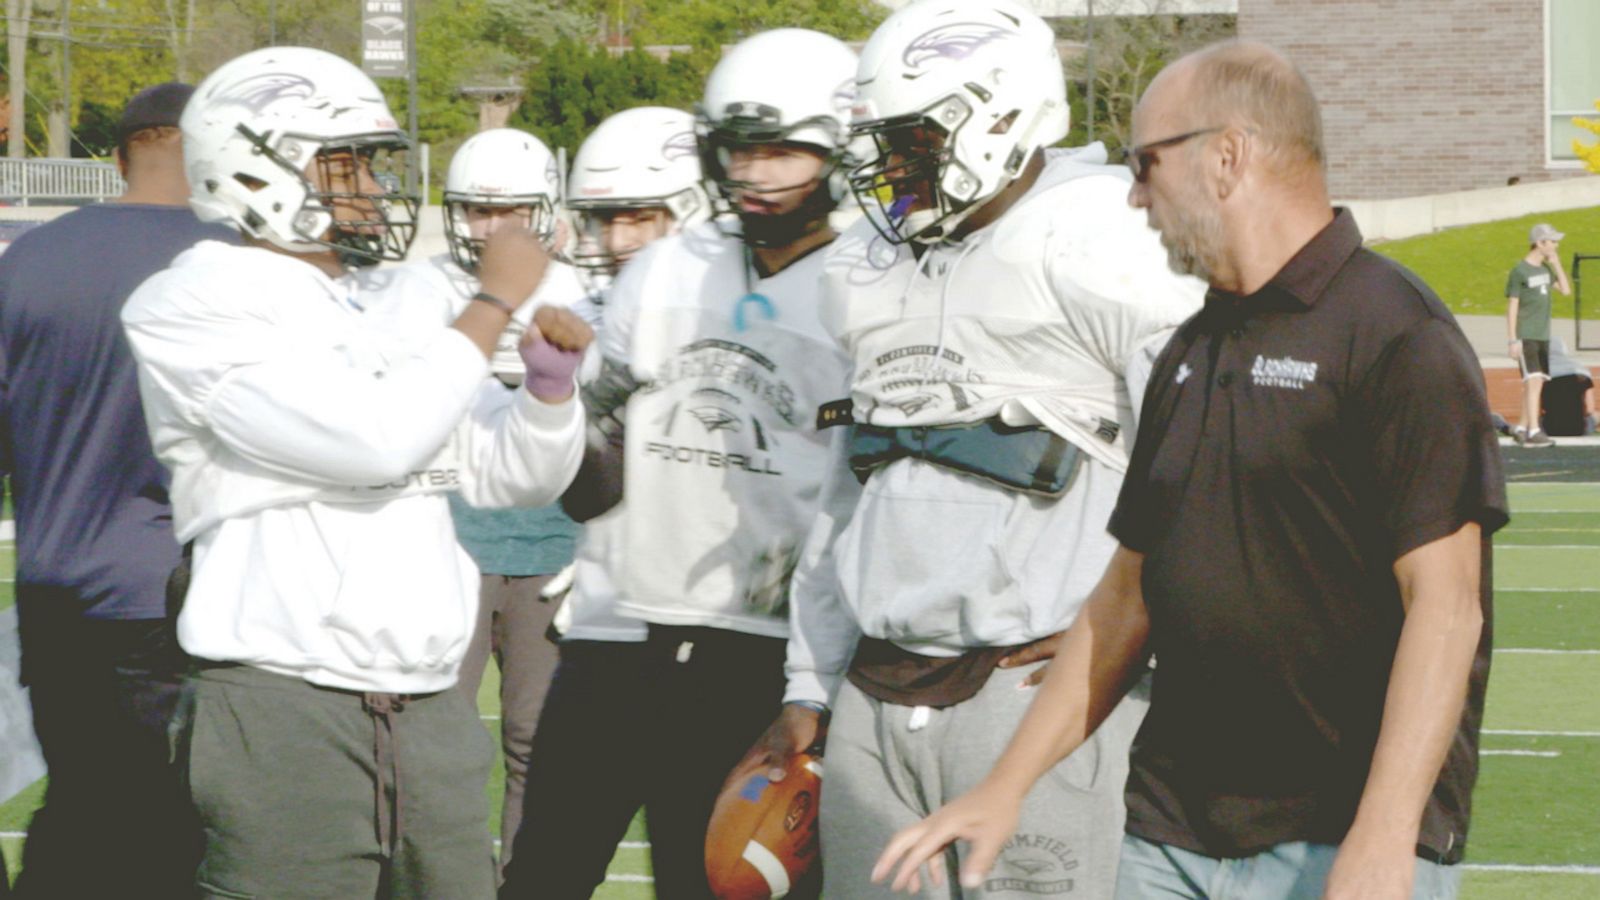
[
  {"x": 154, "y": 107},
  {"x": 1543, "y": 232}
]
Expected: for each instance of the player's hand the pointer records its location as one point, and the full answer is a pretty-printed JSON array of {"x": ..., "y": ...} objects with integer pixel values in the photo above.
[
  {"x": 551, "y": 350},
  {"x": 796, "y": 730},
  {"x": 1369, "y": 869},
  {"x": 1043, "y": 648},
  {"x": 1516, "y": 350},
  {"x": 564, "y": 328},
  {"x": 512, "y": 264},
  {"x": 984, "y": 817}
]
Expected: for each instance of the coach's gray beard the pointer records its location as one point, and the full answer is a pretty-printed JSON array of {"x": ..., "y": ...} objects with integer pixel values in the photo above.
[{"x": 1193, "y": 238}]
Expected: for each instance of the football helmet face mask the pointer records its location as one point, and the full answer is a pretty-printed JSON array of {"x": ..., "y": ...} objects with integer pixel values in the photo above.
[
  {"x": 792, "y": 88},
  {"x": 502, "y": 169},
  {"x": 637, "y": 168},
  {"x": 297, "y": 147},
  {"x": 956, "y": 97}
]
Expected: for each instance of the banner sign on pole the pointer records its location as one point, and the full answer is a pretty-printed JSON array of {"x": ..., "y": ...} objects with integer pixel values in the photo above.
[{"x": 383, "y": 38}]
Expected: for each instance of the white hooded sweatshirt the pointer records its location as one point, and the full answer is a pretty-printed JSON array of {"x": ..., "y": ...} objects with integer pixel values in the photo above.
[
  {"x": 310, "y": 458},
  {"x": 1052, "y": 315},
  {"x": 724, "y": 462}
]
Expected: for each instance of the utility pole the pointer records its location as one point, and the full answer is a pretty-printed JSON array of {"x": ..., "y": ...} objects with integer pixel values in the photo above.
[
  {"x": 411, "y": 95},
  {"x": 66, "y": 79},
  {"x": 58, "y": 120},
  {"x": 1088, "y": 52},
  {"x": 18, "y": 13}
]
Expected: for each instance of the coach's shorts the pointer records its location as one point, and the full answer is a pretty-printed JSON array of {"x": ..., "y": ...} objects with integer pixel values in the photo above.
[{"x": 1535, "y": 361}]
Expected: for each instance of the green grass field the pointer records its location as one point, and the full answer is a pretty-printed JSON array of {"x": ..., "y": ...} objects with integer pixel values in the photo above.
[
  {"x": 1467, "y": 266},
  {"x": 1535, "y": 829}
]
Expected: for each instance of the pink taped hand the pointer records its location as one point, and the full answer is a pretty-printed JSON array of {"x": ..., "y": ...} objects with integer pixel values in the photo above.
[{"x": 549, "y": 368}]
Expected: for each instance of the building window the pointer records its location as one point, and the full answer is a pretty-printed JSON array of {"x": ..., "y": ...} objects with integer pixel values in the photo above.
[{"x": 1572, "y": 82}]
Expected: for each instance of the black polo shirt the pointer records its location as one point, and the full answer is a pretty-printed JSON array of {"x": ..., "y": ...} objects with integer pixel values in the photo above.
[{"x": 1294, "y": 443}]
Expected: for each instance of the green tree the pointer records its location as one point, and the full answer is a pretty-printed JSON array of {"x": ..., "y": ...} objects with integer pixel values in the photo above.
[
  {"x": 702, "y": 22},
  {"x": 1132, "y": 40},
  {"x": 575, "y": 85},
  {"x": 523, "y": 28}
]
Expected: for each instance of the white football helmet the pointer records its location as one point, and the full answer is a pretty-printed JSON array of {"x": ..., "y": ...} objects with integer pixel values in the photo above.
[
  {"x": 254, "y": 127},
  {"x": 789, "y": 85},
  {"x": 640, "y": 158},
  {"x": 500, "y": 167},
  {"x": 958, "y": 96}
]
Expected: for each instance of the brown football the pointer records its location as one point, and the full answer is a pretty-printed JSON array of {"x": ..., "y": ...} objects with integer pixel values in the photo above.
[{"x": 763, "y": 834}]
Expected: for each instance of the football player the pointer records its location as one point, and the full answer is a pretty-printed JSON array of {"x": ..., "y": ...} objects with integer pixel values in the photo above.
[
  {"x": 1002, "y": 306},
  {"x": 498, "y": 178},
  {"x": 330, "y": 606},
  {"x": 723, "y": 460},
  {"x": 635, "y": 180}
]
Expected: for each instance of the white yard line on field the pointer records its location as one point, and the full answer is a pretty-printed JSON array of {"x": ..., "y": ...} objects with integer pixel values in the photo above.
[
  {"x": 1520, "y": 732},
  {"x": 636, "y": 879},
  {"x": 1535, "y": 870},
  {"x": 1589, "y": 547},
  {"x": 1545, "y": 652},
  {"x": 8, "y": 530},
  {"x": 1567, "y": 590},
  {"x": 1547, "y": 754}
]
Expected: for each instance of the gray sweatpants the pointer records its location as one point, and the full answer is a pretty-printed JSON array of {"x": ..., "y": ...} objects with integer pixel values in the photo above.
[
  {"x": 306, "y": 792},
  {"x": 888, "y": 766}
]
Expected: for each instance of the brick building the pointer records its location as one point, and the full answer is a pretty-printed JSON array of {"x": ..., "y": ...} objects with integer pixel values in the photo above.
[{"x": 1429, "y": 96}]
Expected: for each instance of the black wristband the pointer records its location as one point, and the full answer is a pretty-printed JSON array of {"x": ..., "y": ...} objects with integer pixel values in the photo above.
[{"x": 495, "y": 302}]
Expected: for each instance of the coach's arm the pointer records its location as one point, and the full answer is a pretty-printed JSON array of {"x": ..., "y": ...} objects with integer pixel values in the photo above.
[{"x": 1427, "y": 690}]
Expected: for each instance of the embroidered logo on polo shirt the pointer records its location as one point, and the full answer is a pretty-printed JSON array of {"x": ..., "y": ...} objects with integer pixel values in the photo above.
[
  {"x": 1286, "y": 372},
  {"x": 1183, "y": 373}
]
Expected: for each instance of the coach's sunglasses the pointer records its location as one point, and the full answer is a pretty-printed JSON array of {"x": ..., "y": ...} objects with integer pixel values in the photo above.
[{"x": 1140, "y": 158}]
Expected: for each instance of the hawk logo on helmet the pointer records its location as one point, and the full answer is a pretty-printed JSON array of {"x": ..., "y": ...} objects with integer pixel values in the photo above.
[
  {"x": 258, "y": 92},
  {"x": 844, "y": 96},
  {"x": 955, "y": 41},
  {"x": 679, "y": 146}
]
